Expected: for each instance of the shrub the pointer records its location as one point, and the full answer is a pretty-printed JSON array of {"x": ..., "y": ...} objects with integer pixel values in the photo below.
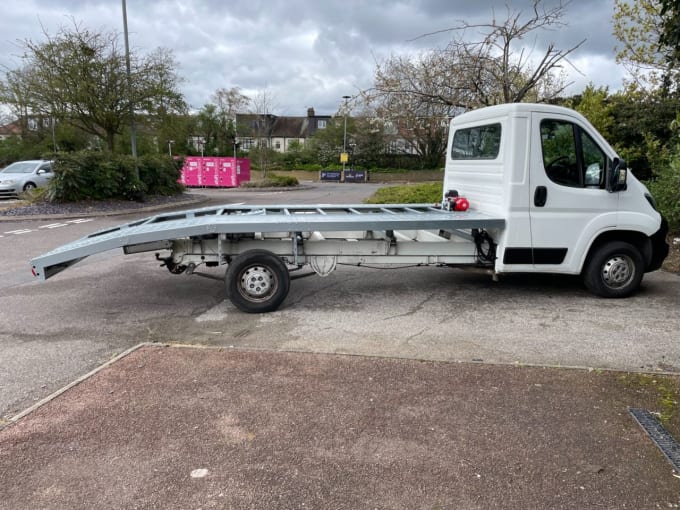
[
  {"x": 160, "y": 174},
  {"x": 666, "y": 191},
  {"x": 90, "y": 175},
  {"x": 273, "y": 181},
  {"x": 426, "y": 193}
]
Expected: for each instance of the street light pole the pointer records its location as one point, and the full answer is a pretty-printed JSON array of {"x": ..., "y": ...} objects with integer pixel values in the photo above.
[
  {"x": 133, "y": 134},
  {"x": 344, "y": 138}
]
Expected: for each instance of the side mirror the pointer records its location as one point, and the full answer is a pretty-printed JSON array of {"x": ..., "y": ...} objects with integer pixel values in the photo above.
[{"x": 617, "y": 175}]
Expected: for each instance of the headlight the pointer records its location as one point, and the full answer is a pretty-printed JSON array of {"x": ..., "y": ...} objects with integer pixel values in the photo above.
[{"x": 8, "y": 181}]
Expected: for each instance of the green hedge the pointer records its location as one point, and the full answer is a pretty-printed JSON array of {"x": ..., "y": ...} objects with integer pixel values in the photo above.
[
  {"x": 666, "y": 191},
  {"x": 426, "y": 193},
  {"x": 273, "y": 181},
  {"x": 89, "y": 175}
]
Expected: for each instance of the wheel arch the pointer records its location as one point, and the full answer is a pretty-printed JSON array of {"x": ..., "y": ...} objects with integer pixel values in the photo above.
[{"x": 642, "y": 242}]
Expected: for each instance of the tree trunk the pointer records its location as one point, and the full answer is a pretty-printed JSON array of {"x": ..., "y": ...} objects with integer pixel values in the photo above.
[{"x": 110, "y": 141}]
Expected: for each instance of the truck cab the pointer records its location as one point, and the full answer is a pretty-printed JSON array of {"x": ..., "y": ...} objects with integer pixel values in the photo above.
[{"x": 570, "y": 204}]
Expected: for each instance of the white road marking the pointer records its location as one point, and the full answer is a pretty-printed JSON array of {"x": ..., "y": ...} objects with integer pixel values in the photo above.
[
  {"x": 54, "y": 225},
  {"x": 199, "y": 473},
  {"x": 20, "y": 231}
]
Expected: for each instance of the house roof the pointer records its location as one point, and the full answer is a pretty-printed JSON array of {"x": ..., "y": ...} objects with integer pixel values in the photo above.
[
  {"x": 285, "y": 126},
  {"x": 10, "y": 129},
  {"x": 290, "y": 127}
]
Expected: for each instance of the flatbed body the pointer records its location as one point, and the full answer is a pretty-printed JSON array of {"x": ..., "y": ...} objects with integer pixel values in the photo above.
[{"x": 404, "y": 232}]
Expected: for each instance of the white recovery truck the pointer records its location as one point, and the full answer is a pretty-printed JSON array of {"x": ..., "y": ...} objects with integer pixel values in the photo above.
[{"x": 546, "y": 194}]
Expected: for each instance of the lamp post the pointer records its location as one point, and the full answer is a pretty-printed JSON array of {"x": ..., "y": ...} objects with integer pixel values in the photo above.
[
  {"x": 170, "y": 142},
  {"x": 344, "y": 138},
  {"x": 133, "y": 134}
]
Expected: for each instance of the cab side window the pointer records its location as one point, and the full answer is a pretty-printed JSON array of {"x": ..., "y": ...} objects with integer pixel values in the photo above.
[
  {"x": 570, "y": 156},
  {"x": 479, "y": 142},
  {"x": 559, "y": 152}
]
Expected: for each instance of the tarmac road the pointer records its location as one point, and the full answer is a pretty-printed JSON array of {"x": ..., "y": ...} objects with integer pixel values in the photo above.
[
  {"x": 276, "y": 419},
  {"x": 52, "y": 332}
]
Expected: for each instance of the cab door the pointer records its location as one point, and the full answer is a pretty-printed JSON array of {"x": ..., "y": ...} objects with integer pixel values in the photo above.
[{"x": 569, "y": 203}]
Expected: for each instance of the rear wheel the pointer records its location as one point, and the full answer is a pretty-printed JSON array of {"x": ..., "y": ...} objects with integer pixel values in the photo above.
[
  {"x": 257, "y": 281},
  {"x": 614, "y": 270}
]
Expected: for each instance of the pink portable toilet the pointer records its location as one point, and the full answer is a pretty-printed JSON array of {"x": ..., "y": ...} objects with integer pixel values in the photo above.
[
  {"x": 191, "y": 171},
  {"x": 209, "y": 172},
  {"x": 242, "y": 171},
  {"x": 226, "y": 173}
]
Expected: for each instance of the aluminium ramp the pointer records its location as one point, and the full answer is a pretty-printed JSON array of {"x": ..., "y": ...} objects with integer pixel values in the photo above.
[{"x": 230, "y": 219}]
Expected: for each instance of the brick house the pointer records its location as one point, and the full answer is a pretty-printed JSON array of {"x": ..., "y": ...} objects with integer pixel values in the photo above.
[
  {"x": 10, "y": 130},
  {"x": 278, "y": 132}
]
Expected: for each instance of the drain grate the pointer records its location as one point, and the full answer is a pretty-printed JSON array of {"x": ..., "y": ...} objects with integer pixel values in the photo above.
[{"x": 659, "y": 435}]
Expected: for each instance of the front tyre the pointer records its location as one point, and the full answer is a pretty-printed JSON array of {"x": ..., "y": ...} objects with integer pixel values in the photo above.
[
  {"x": 614, "y": 270},
  {"x": 257, "y": 281}
]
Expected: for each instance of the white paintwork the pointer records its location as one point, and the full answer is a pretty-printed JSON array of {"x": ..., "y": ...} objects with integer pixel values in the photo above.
[{"x": 504, "y": 187}]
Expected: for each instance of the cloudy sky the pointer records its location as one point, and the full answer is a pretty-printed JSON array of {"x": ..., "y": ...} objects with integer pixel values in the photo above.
[{"x": 307, "y": 53}]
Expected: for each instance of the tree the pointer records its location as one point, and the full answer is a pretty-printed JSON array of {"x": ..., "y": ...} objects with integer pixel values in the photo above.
[
  {"x": 261, "y": 128},
  {"x": 423, "y": 92},
  {"x": 325, "y": 145},
  {"x": 228, "y": 103},
  {"x": 494, "y": 69},
  {"x": 368, "y": 141},
  {"x": 648, "y": 44},
  {"x": 414, "y": 100},
  {"x": 670, "y": 30},
  {"x": 79, "y": 77},
  {"x": 594, "y": 104}
]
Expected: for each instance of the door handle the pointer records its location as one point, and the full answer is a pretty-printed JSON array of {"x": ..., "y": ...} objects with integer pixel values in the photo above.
[{"x": 540, "y": 196}]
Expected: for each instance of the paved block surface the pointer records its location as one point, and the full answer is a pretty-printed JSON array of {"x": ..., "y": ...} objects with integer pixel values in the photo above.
[{"x": 178, "y": 427}]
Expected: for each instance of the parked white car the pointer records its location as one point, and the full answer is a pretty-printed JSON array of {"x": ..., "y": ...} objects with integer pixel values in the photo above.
[{"x": 24, "y": 176}]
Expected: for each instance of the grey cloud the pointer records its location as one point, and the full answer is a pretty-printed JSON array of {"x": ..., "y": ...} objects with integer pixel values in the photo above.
[{"x": 309, "y": 53}]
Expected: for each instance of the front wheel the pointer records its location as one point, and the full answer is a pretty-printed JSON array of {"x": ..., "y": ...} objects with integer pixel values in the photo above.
[
  {"x": 257, "y": 281},
  {"x": 29, "y": 186},
  {"x": 614, "y": 270}
]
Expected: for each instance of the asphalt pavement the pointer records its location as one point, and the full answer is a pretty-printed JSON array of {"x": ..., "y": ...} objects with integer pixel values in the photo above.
[
  {"x": 262, "y": 424},
  {"x": 187, "y": 427}
]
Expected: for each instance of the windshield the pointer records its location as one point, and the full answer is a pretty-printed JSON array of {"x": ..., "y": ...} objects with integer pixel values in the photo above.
[{"x": 20, "y": 167}]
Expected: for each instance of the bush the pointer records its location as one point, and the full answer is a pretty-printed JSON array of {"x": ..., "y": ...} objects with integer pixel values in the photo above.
[
  {"x": 666, "y": 190},
  {"x": 426, "y": 193},
  {"x": 273, "y": 181},
  {"x": 89, "y": 175},
  {"x": 160, "y": 174}
]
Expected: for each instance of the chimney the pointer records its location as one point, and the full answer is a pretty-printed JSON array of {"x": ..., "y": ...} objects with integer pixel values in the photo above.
[{"x": 310, "y": 112}]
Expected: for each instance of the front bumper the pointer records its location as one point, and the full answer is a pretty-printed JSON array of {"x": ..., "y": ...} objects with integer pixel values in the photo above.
[
  {"x": 659, "y": 246},
  {"x": 9, "y": 192}
]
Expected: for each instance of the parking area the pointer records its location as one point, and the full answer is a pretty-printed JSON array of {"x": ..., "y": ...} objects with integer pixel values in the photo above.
[
  {"x": 179, "y": 427},
  {"x": 401, "y": 388}
]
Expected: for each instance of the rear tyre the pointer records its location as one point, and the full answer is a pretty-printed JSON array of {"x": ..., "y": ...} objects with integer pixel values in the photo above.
[
  {"x": 257, "y": 281},
  {"x": 614, "y": 270}
]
